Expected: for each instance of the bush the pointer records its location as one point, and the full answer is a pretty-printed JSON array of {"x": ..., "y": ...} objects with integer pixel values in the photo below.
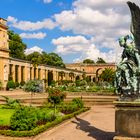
[
  {"x": 78, "y": 102},
  {"x": 11, "y": 103},
  {"x": 10, "y": 85},
  {"x": 35, "y": 86},
  {"x": 56, "y": 96},
  {"x": 45, "y": 114},
  {"x": 17, "y": 84},
  {"x": 22, "y": 83},
  {"x": 24, "y": 118}
]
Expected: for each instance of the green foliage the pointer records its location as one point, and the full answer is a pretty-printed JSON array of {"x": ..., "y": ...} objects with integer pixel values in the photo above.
[
  {"x": 88, "y": 61},
  {"x": 35, "y": 58},
  {"x": 35, "y": 86},
  {"x": 78, "y": 102},
  {"x": 100, "y": 61},
  {"x": 72, "y": 106},
  {"x": 16, "y": 45},
  {"x": 24, "y": 118},
  {"x": 10, "y": 85},
  {"x": 55, "y": 60},
  {"x": 11, "y": 103},
  {"x": 17, "y": 84},
  {"x": 108, "y": 75},
  {"x": 5, "y": 115},
  {"x": 22, "y": 83},
  {"x": 55, "y": 96},
  {"x": 45, "y": 114},
  {"x": 41, "y": 128},
  {"x": 52, "y": 59},
  {"x": 80, "y": 82}
]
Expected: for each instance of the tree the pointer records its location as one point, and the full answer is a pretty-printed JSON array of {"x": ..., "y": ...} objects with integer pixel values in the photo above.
[
  {"x": 88, "y": 61},
  {"x": 16, "y": 45},
  {"x": 100, "y": 61},
  {"x": 35, "y": 58},
  {"x": 55, "y": 60},
  {"x": 108, "y": 75}
]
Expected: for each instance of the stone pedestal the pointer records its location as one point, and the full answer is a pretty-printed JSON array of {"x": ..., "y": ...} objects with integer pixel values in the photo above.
[{"x": 127, "y": 120}]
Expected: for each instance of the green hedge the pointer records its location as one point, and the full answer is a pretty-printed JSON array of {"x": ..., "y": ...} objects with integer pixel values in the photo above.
[{"x": 41, "y": 128}]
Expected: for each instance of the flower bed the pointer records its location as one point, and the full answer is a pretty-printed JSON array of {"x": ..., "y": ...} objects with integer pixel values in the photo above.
[{"x": 41, "y": 128}]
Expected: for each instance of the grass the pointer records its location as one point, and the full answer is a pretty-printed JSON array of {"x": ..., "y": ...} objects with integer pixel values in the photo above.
[{"x": 5, "y": 115}]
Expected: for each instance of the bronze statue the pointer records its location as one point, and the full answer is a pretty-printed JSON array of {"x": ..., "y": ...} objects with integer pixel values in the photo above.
[{"x": 128, "y": 70}]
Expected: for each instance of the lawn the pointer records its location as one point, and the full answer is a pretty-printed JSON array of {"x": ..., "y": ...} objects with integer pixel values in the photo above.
[{"x": 5, "y": 115}]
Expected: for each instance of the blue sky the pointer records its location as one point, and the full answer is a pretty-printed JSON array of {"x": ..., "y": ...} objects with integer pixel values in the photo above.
[{"x": 75, "y": 29}]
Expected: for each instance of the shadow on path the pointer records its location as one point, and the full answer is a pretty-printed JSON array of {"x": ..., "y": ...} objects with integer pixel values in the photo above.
[{"x": 93, "y": 131}]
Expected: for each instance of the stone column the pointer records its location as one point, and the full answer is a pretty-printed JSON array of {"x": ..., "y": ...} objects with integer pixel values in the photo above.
[
  {"x": 19, "y": 74},
  {"x": 36, "y": 72},
  {"x": 13, "y": 72},
  {"x": 32, "y": 71},
  {"x": 25, "y": 73}
]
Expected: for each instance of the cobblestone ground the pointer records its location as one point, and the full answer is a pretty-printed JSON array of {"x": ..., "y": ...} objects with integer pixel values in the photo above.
[{"x": 97, "y": 124}]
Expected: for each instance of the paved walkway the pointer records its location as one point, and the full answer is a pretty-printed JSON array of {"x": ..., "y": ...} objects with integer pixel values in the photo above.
[{"x": 96, "y": 124}]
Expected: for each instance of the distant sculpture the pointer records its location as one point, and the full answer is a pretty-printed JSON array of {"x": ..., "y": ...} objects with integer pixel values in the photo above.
[{"x": 128, "y": 70}]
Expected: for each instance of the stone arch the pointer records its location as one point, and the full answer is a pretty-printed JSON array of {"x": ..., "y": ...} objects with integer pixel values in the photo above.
[
  {"x": 97, "y": 74},
  {"x": 50, "y": 77},
  {"x": 77, "y": 77}
]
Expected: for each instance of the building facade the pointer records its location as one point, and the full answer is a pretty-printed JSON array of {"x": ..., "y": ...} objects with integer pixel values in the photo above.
[
  {"x": 22, "y": 71},
  {"x": 91, "y": 70}
]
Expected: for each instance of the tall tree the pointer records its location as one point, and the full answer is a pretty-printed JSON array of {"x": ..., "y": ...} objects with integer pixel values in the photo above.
[
  {"x": 16, "y": 45},
  {"x": 35, "y": 58},
  {"x": 88, "y": 61},
  {"x": 55, "y": 60},
  {"x": 100, "y": 61}
]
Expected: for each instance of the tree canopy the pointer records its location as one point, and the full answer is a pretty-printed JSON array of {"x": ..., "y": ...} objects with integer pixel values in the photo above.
[
  {"x": 16, "y": 46},
  {"x": 100, "y": 61},
  {"x": 88, "y": 61},
  {"x": 52, "y": 59}
]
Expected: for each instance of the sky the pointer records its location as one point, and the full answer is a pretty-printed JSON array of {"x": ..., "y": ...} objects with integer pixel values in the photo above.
[{"x": 74, "y": 29}]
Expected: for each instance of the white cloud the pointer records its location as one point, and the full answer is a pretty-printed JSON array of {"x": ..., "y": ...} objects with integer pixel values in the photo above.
[
  {"x": 104, "y": 22},
  {"x": 39, "y": 35},
  {"x": 31, "y": 26},
  {"x": 33, "y": 49},
  {"x": 47, "y": 1},
  {"x": 85, "y": 47}
]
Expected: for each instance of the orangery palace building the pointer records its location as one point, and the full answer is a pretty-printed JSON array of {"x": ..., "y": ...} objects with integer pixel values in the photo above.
[{"x": 21, "y": 70}]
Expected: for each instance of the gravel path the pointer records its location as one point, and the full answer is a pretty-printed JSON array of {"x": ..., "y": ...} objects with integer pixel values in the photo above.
[{"x": 97, "y": 124}]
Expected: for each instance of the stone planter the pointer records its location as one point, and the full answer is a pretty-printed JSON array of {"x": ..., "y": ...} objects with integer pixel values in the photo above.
[{"x": 127, "y": 120}]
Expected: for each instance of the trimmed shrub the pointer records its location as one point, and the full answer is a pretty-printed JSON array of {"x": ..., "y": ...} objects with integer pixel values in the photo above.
[
  {"x": 35, "y": 86},
  {"x": 78, "y": 102},
  {"x": 10, "y": 85},
  {"x": 24, "y": 118}
]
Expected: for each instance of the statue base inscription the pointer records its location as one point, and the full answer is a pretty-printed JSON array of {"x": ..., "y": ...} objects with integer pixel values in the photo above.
[{"x": 127, "y": 120}]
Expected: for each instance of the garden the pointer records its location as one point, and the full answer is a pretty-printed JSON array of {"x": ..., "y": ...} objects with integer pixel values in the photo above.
[{"x": 20, "y": 121}]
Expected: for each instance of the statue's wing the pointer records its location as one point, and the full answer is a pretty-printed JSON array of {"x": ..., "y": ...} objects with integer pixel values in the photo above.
[{"x": 135, "y": 25}]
